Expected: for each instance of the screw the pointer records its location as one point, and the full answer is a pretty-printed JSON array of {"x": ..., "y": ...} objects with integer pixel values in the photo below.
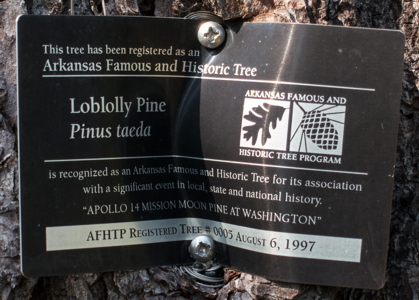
[
  {"x": 202, "y": 248},
  {"x": 211, "y": 34}
]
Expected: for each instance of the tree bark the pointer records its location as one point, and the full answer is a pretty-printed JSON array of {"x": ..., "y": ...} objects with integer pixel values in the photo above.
[{"x": 169, "y": 282}]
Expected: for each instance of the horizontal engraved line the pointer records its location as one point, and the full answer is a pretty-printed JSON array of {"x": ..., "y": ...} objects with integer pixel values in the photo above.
[
  {"x": 204, "y": 159},
  {"x": 217, "y": 78}
]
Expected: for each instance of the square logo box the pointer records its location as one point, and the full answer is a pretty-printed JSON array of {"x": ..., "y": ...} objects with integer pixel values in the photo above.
[
  {"x": 265, "y": 124},
  {"x": 317, "y": 128}
]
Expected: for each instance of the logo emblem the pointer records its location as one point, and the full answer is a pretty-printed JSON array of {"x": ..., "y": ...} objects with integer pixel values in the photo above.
[
  {"x": 265, "y": 124},
  {"x": 317, "y": 128},
  {"x": 294, "y": 126}
]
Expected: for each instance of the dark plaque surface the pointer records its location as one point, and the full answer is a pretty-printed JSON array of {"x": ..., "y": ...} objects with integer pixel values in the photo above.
[{"x": 134, "y": 139}]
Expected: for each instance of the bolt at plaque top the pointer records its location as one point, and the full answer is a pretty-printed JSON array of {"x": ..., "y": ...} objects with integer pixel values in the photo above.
[
  {"x": 278, "y": 158},
  {"x": 211, "y": 34}
]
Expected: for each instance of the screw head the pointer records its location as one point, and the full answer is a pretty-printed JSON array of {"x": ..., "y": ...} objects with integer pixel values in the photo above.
[
  {"x": 202, "y": 248},
  {"x": 211, "y": 34}
]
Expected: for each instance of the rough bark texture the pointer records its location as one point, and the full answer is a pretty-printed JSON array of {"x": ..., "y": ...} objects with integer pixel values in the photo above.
[{"x": 169, "y": 282}]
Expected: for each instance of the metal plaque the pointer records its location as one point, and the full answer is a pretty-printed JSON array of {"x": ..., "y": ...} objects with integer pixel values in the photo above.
[{"x": 279, "y": 144}]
